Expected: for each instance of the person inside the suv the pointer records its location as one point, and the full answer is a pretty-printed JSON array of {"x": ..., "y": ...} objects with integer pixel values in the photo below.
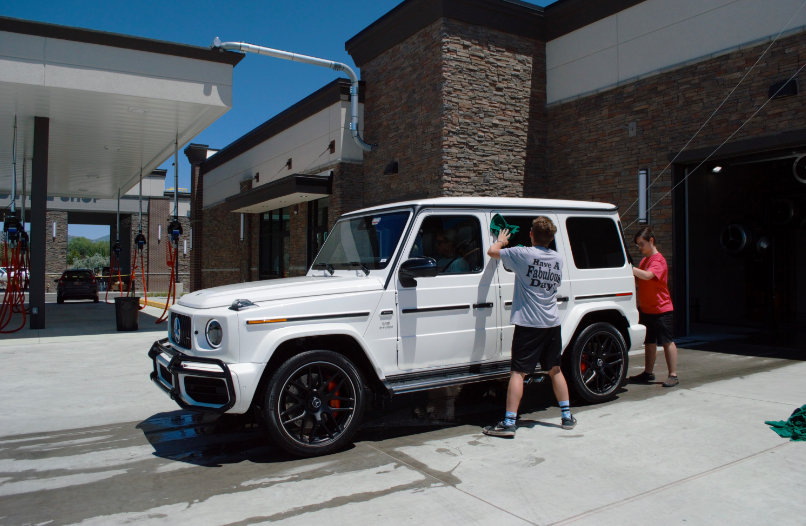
[
  {"x": 537, "y": 337},
  {"x": 449, "y": 262}
]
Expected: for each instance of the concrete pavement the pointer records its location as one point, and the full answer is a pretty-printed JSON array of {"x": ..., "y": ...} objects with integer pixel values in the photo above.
[{"x": 86, "y": 439}]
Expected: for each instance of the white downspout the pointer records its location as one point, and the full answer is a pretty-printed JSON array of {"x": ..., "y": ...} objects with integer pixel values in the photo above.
[{"x": 338, "y": 66}]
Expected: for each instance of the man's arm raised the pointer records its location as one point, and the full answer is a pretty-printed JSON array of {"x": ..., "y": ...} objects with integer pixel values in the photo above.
[{"x": 503, "y": 240}]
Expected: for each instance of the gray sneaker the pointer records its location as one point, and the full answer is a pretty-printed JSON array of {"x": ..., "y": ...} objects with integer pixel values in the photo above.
[
  {"x": 569, "y": 423},
  {"x": 500, "y": 430}
]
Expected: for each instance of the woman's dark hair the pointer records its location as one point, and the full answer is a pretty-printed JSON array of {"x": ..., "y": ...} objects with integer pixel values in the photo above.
[
  {"x": 646, "y": 233},
  {"x": 543, "y": 230}
]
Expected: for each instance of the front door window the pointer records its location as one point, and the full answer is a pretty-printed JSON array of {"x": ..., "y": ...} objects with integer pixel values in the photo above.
[{"x": 450, "y": 319}]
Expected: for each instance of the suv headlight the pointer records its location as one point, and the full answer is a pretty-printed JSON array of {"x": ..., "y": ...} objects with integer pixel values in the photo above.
[{"x": 214, "y": 333}]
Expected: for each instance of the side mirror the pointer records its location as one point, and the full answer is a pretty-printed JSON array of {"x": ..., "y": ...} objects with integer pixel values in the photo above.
[
  {"x": 417, "y": 268},
  {"x": 55, "y": 281}
]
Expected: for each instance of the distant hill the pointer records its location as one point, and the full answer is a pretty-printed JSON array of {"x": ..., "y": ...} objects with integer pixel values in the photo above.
[{"x": 104, "y": 238}]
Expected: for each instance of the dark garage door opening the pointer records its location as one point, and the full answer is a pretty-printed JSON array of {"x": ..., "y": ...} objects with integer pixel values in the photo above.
[{"x": 747, "y": 248}]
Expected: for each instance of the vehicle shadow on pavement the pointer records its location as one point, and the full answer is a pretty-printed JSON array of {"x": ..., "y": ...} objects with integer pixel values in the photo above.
[{"x": 214, "y": 440}]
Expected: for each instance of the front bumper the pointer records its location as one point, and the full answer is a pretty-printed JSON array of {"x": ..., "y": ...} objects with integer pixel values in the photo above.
[
  {"x": 637, "y": 334},
  {"x": 197, "y": 384}
]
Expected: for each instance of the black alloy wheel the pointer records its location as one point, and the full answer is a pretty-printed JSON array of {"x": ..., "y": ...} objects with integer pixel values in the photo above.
[
  {"x": 597, "y": 364},
  {"x": 313, "y": 404}
]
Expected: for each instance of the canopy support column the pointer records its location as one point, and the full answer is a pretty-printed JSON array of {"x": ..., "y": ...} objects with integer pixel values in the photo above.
[{"x": 39, "y": 230}]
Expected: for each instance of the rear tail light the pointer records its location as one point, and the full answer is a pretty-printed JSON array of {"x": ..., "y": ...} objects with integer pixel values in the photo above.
[{"x": 92, "y": 281}]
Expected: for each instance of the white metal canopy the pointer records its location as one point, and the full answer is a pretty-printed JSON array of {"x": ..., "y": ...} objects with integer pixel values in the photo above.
[{"x": 115, "y": 103}]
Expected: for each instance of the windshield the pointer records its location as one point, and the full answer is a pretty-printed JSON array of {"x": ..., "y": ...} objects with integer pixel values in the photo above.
[{"x": 367, "y": 241}]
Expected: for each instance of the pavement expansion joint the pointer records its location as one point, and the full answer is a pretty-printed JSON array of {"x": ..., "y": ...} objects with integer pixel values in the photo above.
[
  {"x": 447, "y": 484},
  {"x": 665, "y": 487},
  {"x": 699, "y": 390}
]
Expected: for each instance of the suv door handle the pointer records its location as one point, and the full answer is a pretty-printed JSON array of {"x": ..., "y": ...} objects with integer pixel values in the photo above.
[
  {"x": 482, "y": 305},
  {"x": 562, "y": 298}
]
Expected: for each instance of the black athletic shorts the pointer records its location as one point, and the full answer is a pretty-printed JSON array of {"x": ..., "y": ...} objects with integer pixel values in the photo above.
[
  {"x": 658, "y": 327},
  {"x": 531, "y": 345}
]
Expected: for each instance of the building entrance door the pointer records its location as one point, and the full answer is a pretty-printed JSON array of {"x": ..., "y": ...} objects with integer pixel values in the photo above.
[{"x": 275, "y": 253}]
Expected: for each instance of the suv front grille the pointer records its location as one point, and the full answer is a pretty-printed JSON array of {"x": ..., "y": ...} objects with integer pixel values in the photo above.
[{"x": 182, "y": 339}]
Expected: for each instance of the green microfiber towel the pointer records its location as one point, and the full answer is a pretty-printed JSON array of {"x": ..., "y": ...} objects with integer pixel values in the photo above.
[
  {"x": 498, "y": 224},
  {"x": 794, "y": 428}
]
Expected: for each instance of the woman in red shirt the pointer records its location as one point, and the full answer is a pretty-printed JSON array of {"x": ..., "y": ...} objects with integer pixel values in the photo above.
[{"x": 655, "y": 307}]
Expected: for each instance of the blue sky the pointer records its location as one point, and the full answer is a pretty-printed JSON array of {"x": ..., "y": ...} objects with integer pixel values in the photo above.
[{"x": 263, "y": 87}]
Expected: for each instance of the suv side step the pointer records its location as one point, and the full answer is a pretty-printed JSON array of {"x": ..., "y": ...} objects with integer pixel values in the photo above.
[{"x": 425, "y": 380}]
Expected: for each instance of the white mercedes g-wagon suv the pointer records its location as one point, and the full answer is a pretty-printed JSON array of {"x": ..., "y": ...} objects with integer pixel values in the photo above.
[{"x": 400, "y": 298}]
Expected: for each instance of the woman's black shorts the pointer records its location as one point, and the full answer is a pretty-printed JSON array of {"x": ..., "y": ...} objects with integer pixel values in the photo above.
[
  {"x": 532, "y": 344},
  {"x": 659, "y": 328}
]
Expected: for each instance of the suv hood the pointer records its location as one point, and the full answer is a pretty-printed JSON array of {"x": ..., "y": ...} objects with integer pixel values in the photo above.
[{"x": 279, "y": 289}]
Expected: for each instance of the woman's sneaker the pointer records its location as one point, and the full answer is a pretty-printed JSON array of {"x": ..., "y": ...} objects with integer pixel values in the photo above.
[
  {"x": 569, "y": 423},
  {"x": 500, "y": 430}
]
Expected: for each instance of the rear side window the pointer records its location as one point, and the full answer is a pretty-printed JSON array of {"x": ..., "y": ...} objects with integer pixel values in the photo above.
[
  {"x": 521, "y": 238},
  {"x": 595, "y": 242}
]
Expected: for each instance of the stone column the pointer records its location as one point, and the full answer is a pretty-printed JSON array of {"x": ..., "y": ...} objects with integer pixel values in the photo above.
[
  {"x": 196, "y": 154},
  {"x": 55, "y": 248}
]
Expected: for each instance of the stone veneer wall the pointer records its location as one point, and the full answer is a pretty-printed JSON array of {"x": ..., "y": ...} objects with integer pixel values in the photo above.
[
  {"x": 493, "y": 104},
  {"x": 591, "y": 156},
  {"x": 55, "y": 248},
  {"x": 458, "y": 107}
]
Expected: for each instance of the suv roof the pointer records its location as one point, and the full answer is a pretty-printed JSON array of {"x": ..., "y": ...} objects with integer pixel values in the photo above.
[{"x": 495, "y": 202}]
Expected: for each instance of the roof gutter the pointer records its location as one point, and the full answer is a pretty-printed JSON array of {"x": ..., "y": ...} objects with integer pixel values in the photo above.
[{"x": 337, "y": 66}]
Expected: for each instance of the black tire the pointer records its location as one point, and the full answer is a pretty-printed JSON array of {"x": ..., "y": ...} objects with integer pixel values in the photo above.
[
  {"x": 95, "y": 299},
  {"x": 59, "y": 300},
  {"x": 596, "y": 366},
  {"x": 315, "y": 393}
]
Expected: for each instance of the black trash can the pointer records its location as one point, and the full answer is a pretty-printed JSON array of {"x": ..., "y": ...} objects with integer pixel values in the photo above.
[{"x": 127, "y": 313}]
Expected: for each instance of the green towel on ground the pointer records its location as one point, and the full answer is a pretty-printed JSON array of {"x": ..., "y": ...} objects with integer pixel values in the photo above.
[
  {"x": 794, "y": 428},
  {"x": 498, "y": 224}
]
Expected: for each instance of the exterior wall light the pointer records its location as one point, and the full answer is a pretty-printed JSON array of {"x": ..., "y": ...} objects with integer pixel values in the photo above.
[
  {"x": 54, "y": 230},
  {"x": 716, "y": 169},
  {"x": 643, "y": 196},
  {"x": 241, "y": 227}
]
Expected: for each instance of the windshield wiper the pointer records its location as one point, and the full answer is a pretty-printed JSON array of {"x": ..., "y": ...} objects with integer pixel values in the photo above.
[
  {"x": 363, "y": 267},
  {"x": 326, "y": 266}
]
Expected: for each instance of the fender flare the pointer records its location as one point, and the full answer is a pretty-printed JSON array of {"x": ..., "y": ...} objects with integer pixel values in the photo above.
[
  {"x": 579, "y": 311},
  {"x": 277, "y": 337}
]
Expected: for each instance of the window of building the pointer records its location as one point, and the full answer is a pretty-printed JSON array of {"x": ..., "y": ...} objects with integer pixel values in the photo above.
[
  {"x": 521, "y": 238},
  {"x": 275, "y": 253},
  {"x": 453, "y": 241},
  {"x": 317, "y": 226},
  {"x": 595, "y": 242}
]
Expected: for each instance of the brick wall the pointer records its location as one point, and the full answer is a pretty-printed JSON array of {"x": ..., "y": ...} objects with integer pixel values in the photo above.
[
  {"x": 223, "y": 249},
  {"x": 55, "y": 248},
  {"x": 403, "y": 113},
  {"x": 591, "y": 156},
  {"x": 458, "y": 107},
  {"x": 159, "y": 273},
  {"x": 349, "y": 185},
  {"x": 298, "y": 249}
]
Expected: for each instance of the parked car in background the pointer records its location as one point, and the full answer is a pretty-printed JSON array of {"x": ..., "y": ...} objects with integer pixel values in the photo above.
[
  {"x": 4, "y": 275},
  {"x": 400, "y": 298},
  {"x": 77, "y": 283}
]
